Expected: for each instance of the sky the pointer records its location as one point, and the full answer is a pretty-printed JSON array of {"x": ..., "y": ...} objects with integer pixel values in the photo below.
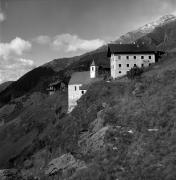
[{"x": 33, "y": 32}]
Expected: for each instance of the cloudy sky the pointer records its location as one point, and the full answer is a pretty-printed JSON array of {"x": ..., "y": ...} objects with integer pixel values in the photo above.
[{"x": 33, "y": 32}]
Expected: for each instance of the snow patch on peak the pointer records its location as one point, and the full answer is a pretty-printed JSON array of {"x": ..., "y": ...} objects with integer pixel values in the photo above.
[
  {"x": 168, "y": 17},
  {"x": 161, "y": 21}
]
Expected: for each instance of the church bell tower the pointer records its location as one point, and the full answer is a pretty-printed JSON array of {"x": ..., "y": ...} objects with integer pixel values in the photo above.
[{"x": 93, "y": 70}]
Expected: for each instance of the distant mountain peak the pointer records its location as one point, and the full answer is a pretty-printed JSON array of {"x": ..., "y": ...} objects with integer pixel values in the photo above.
[
  {"x": 147, "y": 28},
  {"x": 167, "y": 18},
  {"x": 161, "y": 21}
]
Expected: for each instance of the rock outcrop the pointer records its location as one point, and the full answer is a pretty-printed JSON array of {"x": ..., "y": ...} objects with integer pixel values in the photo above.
[
  {"x": 93, "y": 142},
  {"x": 64, "y": 165},
  {"x": 98, "y": 123},
  {"x": 10, "y": 174}
]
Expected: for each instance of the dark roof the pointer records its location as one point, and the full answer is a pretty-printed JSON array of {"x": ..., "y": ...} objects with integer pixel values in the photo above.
[
  {"x": 81, "y": 78},
  {"x": 128, "y": 48},
  {"x": 55, "y": 83}
]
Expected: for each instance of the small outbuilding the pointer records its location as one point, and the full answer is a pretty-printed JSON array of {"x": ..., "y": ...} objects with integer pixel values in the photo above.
[{"x": 55, "y": 86}]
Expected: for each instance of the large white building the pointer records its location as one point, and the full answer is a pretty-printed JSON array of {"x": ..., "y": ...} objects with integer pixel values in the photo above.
[
  {"x": 79, "y": 83},
  {"x": 123, "y": 57}
]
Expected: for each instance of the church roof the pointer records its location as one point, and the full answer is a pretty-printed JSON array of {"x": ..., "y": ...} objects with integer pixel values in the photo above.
[
  {"x": 81, "y": 78},
  {"x": 128, "y": 48},
  {"x": 93, "y": 63}
]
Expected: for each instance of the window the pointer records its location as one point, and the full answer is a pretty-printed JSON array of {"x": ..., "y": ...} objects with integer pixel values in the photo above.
[
  {"x": 119, "y": 57},
  {"x": 120, "y": 72},
  {"x": 134, "y": 65},
  {"x": 120, "y": 65},
  {"x": 142, "y": 57},
  {"x": 127, "y": 65},
  {"x": 75, "y": 88},
  {"x": 92, "y": 68},
  {"x": 142, "y": 65},
  {"x": 134, "y": 57},
  {"x": 150, "y": 57},
  {"x": 149, "y": 64},
  {"x": 82, "y": 92},
  {"x": 127, "y": 57}
]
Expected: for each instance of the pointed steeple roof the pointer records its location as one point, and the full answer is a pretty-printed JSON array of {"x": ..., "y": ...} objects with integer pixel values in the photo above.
[{"x": 93, "y": 63}]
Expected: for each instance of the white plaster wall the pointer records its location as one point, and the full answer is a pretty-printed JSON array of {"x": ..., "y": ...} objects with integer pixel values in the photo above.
[
  {"x": 93, "y": 73},
  {"x": 74, "y": 95},
  {"x": 115, "y": 61}
]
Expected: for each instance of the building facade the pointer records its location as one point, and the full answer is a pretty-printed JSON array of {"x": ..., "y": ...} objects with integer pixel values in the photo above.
[
  {"x": 123, "y": 57},
  {"x": 79, "y": 83}
]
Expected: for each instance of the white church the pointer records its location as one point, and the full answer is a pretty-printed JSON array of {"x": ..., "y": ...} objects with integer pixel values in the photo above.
[
  {"x": 79, "y": 83},
  {"x": 122, "y": 58}
]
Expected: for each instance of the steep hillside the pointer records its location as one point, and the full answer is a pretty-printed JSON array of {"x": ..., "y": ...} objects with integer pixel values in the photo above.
[
  {"x": 27, "y": 125},
  {"x": 124, "y": 129},
  {"x": 35, "y": 80},
  {"x": 126, "y": 132},
  {"x": 4, "y": 85},
  {"x": 163, "y": 37}
]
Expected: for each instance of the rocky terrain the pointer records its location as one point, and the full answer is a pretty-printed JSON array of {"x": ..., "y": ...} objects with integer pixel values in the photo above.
[{"x": 126, "y": 132}]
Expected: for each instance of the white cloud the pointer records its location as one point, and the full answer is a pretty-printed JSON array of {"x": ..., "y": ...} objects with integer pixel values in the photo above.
[
  {"x": 2, "y": 17},
  {"x": 42, "y": 39},
  {"x": 16, "y": 47},
  {"x": 26, "y": 61},
  {"x": 13, "y": 64},
  {"x": 72, "y": 43},
  {"x": 14, "y": 68}
]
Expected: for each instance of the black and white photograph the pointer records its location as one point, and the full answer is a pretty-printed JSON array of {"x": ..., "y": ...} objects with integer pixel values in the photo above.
[{"x": 87, "y": 89}]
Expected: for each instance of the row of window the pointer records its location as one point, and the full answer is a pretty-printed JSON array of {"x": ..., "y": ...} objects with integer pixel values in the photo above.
[
  {"x": 127, "y": 65},
  {"x": 135, "y": 57}
]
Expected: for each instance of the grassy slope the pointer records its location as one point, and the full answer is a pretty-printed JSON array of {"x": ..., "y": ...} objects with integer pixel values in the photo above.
[
  {"x": 145, "y": 155},
  {"x": 27, "y": 130}
]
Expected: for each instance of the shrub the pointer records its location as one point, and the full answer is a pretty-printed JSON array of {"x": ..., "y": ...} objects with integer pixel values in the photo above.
[{"x": 135, "y": 71}]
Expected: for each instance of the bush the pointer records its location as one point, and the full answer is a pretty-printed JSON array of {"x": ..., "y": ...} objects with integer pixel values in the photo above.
[{"x": 135, "y": 71}]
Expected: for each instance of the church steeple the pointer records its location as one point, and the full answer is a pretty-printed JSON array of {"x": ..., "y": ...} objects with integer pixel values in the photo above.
[{"x": 93, "y": 70}]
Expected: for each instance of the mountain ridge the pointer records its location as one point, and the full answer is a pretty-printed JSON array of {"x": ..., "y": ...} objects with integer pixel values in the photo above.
[{"x": 132, "y": 36}]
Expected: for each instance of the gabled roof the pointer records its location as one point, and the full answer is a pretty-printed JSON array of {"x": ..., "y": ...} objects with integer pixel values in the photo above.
[
  {"x": 128, "y": 48},
  {"x": 93, "y": 63},
  {"x": 82, "y": 78}
]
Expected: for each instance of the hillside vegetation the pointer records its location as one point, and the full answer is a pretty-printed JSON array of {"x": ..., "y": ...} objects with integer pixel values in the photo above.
[
  {"x": 124, "y": 129},
  {"x": 144, "y": 111}
]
